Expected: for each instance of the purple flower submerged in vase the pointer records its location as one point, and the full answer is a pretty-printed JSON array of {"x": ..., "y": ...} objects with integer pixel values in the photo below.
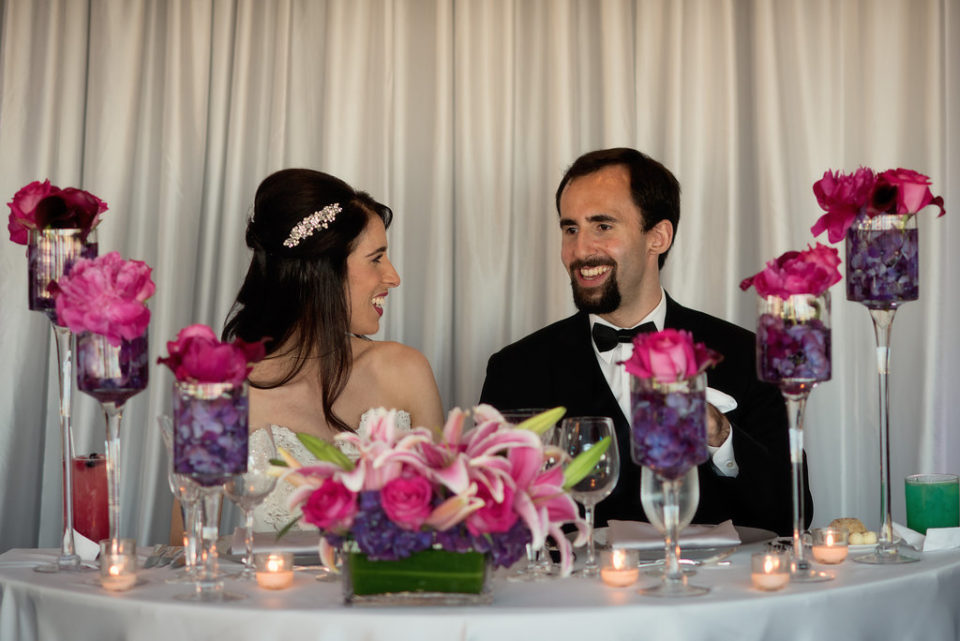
[
  {"x": 50, "y": 254},
  {"x": 668, "y": 430},
  {"x": 883, "y": 261},
  {"x": 792, "y": 350},
  {"x": 111, "y": 374},
  {"x": 210, "y": 431}
]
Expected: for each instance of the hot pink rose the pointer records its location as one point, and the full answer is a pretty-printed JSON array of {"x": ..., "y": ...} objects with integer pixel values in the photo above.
[
  {"x": 493, "y": 517},
  {"x": 669, "y": 356},
  {"x": 912, "y": 190},
  {"x": 811, "y": 271},
  {"x": 330, "y": 506},
  {"x": 407, "y": 501},
  {"x": 106, "y": 296},
  {"x": 40, "y": 205},
  {"x": 841, "y": 196},
  {"x": 196, "y": 355}
]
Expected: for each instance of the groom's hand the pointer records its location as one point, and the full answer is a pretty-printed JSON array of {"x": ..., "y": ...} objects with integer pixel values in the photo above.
[{"x": 718, "y": 427}]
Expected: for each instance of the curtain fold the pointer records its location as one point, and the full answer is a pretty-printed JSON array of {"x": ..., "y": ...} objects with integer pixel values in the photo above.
[{"x": 463, "y": 116}]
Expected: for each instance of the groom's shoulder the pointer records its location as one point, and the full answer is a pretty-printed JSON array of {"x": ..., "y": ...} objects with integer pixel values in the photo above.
[
  {"x": 708, "y": 329},
  {"x": 549, "y": 338}
]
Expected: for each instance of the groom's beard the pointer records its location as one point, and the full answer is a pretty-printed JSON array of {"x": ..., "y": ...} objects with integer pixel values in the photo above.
[{"x": 603, "y": 300}]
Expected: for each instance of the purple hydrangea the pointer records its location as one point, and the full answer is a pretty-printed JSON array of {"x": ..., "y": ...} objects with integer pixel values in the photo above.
[
  {"x": 789, "y": 351},
  {"x": 380, "y": 538},
  {"x": 210, "y": 435},
  {"x": 668, "y": 431},
  {"x": 505, "y": 548},
  {"x": 883, "y": 266},
  {"x": 111, "y": 374}
]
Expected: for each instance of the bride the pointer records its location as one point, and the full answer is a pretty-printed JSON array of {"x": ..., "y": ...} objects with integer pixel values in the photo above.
[{"x": 316, "y": 287}]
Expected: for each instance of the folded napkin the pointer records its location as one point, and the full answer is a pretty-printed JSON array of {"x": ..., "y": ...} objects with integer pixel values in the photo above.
[
  {"x": 86, "y": 549},
  {"x": 937, "y": 538},
  {"x": 643, "y": 536},
  {"x": 723, "y": 402},
  {"x": 293, "y": 541}
]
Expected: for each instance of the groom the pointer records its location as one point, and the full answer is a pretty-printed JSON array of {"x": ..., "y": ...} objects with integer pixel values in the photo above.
[{"x": 619, "y": 211}]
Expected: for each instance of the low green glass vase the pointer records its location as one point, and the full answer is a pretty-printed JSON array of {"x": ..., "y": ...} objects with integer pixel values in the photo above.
[{"x": 430, "y": 577}]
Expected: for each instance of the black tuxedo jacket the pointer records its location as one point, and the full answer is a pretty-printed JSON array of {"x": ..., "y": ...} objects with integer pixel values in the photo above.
[{"x": 557, "y": 366}]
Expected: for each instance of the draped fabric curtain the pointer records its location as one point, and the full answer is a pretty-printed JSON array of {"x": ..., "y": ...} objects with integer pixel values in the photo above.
[{"x": 463, "y": 115}]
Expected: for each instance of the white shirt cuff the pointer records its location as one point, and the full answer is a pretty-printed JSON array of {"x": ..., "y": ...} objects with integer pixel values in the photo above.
[{"x": 723, "y": 457}]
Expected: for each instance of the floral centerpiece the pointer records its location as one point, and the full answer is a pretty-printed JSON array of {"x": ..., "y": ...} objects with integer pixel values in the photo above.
[
  {"x": 489, "y": 490},
  {"x": 41, "y": 205}
]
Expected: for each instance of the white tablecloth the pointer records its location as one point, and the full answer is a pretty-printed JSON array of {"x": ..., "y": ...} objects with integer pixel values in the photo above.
[{"x": 912, "y": 601}]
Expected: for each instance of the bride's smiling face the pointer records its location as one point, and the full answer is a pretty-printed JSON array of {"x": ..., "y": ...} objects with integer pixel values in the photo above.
[{"x": 370, "y": 274}]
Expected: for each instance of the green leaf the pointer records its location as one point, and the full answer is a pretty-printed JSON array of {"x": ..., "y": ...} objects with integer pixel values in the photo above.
[
  {"x": 585, "y": 461},
  {"x": 542, "y": 422},
  {"x": 325, "y": 451},
  {"x": 286, "y": 528},
  {"x": 278, "y": 462}
]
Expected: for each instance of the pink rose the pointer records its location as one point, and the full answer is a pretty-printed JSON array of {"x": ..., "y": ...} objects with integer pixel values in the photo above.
[
  {"x": 330, "y": 506},
  {"x": 196, "y": 355},
  {"x": 912, "y": 190},
  {"x": 106, "y": 296},
  {"x": 493, "y": 517},
  {"x": 669, "y": 356},
  {"x": 811, "y": 271},
  {"x": 407, "y": 501},
  {"x": 40, "y": 205},
  {"x": 841, "y": 196},
  {"x": 23, "y": 209}
]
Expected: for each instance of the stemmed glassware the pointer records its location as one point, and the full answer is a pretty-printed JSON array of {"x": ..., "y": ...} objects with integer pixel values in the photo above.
[
  {"x": 249, "y": 489},
  {"x": 579, "y": 434},
  {"x": 668, "y": 438},
  {"x": 50, "y": 253},
  {"x": 112, "y": 374},
  {"x": 187, "y": 493},
  {"x": 793, "y": 352},
  {"x": 883, "y": 272}
]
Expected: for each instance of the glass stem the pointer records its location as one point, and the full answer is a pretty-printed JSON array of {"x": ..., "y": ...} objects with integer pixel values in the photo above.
[
  {"x": 671, "y": 534},
  {"x": 796, "y": 404},
  {"x": 591, "y": 564},
  {"x": 68, "y": 556},
  {"x": 191, "y": 537},
  {"x": 208, "y": 583},
  {"x": 113, "y": 414},
  {"x": 882, "y": 322},
  {"x": 248, "y": 541}
]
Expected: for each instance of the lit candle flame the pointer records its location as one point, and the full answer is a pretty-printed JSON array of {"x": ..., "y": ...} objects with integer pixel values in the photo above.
[
  {"x": 619, "y": 559},
  {"x": 274, "y": 564}
]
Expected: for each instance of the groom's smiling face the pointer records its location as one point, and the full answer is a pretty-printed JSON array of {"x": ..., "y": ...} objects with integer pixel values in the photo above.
[{"x": 603, "y": 241}]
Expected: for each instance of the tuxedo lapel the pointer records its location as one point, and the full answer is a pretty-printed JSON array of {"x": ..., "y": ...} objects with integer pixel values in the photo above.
[{"x": 587, "y": 388}]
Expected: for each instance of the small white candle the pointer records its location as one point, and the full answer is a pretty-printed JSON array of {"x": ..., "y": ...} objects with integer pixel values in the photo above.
[
  {"x": 769, "y": 570},
  {"x": 116, "y": 577},
  {"x": 275, "y": 570},
  {"x": 829, "y": 545},
  {"x": 619, "y": 568}
]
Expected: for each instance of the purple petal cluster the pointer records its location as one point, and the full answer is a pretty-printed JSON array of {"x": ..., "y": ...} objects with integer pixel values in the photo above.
[
  {"x": 883, "y": 266},
  {"x": 210, "y": 435},
  {"x": 111, "y": 374},
  {"x": 505, "y": 548},
  {"x": 380, "y": 538},
  {"x": 792, "y": 351},
  {"x": 49, "y": 259},
  {"x": 668, "y": 431}
]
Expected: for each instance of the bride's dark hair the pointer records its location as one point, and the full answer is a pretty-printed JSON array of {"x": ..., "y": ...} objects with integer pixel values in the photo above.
[{"x": 300, "y": 292}]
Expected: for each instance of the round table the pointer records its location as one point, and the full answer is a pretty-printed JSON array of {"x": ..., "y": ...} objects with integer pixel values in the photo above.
[{"x": 913, "y": 601}]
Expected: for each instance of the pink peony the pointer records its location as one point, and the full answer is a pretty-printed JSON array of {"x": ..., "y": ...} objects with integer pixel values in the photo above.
[
  {"x": 407, "y": 501},
  {"x": 198, "y": 356},
  {"x": 811, "y": 271},
  {"x": 841, "y": 196},
  {"x": 40, "y": 205},
  {"x": 106, "y": 296},
  {"x": 669, "y": 356},
  {"x": 330, "y": 506},
  {"x": 912, "y": 190},
  {"x": 493, "y": 517}
]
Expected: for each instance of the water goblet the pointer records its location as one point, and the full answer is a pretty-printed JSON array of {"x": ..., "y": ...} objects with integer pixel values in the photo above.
[
  {"x": 656, "y": 505},
  {"x": 187, "y": 493},
  {"x": 579, "y": 434},
  {"x": 249, "y": 489}
]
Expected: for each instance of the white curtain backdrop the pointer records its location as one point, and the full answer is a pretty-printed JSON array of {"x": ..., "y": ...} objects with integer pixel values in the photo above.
[{"x": 463, "y": 115}]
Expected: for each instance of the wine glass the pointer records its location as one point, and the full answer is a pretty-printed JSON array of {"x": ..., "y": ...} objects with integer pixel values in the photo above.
[
  {"x": 249, "y": 489},
  {"x": 50, "y": 254},
  {"x": 539, "y": 565},
  {"x": 187, "y": 493},
  {"x": 653, "y": 497},
  {"x": 112, "y": 374},
  {"x": 793, "y": 352},
  {"x": 883, "y": 272},
  {"x": 579, "y": 434}
]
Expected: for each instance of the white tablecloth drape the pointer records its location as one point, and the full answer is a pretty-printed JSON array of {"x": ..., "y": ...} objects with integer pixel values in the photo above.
[{"x": 914, "y": 601}]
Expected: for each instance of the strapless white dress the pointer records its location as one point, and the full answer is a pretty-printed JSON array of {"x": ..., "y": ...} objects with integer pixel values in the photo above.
[{"x": 273, "y": 514}]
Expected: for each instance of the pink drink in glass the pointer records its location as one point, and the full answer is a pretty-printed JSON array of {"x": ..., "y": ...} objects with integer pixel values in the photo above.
[{"x": 90, "y": 515}]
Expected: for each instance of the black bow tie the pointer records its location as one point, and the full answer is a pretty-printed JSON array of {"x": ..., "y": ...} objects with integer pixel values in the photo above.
[{"x": 606, "y": 337}]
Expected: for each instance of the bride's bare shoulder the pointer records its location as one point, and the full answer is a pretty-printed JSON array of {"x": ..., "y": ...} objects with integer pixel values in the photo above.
[{"x": 390, "y": 358}]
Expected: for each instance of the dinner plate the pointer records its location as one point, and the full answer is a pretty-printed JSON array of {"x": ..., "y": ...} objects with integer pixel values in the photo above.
[{"x": 747, "y": 535}]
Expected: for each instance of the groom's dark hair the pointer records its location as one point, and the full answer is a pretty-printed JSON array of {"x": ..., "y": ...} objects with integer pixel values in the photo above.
[{"x": 654, "y": 189}]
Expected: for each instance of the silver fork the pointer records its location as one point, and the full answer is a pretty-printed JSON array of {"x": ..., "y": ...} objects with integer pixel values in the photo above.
[
  {"x": 169, "y": 556},
  {"x": 155, "y": 556}
]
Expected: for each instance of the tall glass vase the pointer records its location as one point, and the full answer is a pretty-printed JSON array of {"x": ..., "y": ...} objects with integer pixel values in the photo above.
[
  {"x": 883, "y": 272},
  {"x": 793, "y": 351},
  {"x": 668, "y": 437},
  {"x": 50, "y": 254},
  {"x": 210, "y": 440},
  {"x": 112, "y": 374}
]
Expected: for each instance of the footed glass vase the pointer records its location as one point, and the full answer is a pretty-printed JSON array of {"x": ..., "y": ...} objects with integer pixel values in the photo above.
[
  {"x": 210, "y": 442},
  {"x": 793, "y": 352},
  {"x": 50, "y": 254},
  {"x": 112, "y": 374},
  {"x": 428, "y": 577},
  {"x": 883, "y": 272},
  {"x": 668, "y": 438}
]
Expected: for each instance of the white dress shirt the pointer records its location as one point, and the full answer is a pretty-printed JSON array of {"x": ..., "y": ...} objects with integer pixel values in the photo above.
[{"x": 619, "y": 382}]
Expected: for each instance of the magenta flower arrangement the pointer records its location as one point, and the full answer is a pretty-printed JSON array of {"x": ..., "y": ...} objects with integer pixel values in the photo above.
[
  {"x": 197, "y": 356},
  {"x": 669, "y": 356},
  {"x": 811, "y": 271},
  {"x": 487, "y": 489},
  {"x": 41, "y": 205}
]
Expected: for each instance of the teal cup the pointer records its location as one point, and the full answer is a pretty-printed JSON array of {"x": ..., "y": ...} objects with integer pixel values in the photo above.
[{"x": 933, "y": 500}]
